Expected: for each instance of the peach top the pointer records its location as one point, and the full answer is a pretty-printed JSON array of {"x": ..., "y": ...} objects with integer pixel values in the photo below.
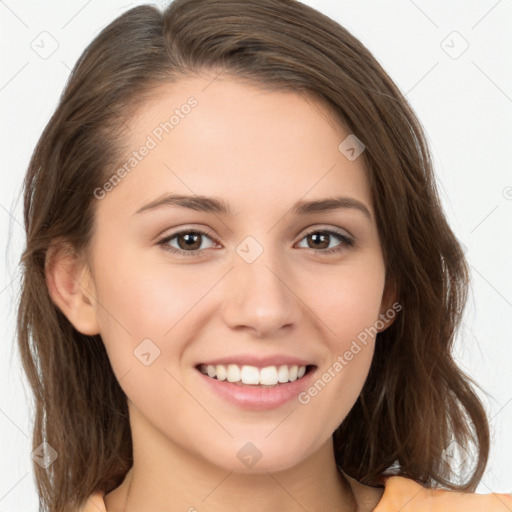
[{"x": 401, "y": 494}]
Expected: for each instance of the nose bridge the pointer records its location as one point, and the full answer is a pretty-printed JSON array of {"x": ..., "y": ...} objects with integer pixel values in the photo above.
[{"x": 260, "y": 296}]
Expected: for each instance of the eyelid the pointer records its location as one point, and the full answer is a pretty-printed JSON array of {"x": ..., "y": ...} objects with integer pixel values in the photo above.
[
  {"x": 187, "y": 229},
  {"x": 328, "y": 228},
  {"x": 308, "y": 230}
]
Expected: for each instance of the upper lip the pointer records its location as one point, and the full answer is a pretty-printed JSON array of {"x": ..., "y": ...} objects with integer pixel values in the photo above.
[{"x": 258, "y": 361}]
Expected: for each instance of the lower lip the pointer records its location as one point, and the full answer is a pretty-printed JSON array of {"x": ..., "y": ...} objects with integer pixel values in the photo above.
[{"x": 258, "y": 398}]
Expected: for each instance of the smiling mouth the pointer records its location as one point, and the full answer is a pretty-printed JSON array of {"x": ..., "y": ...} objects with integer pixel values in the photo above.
[{"x": 253, "y": 376}]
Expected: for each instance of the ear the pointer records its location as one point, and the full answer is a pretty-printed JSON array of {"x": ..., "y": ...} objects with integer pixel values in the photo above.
[
  {"x": 389, "y": 307},
  {"x": 71, "y": 286}
]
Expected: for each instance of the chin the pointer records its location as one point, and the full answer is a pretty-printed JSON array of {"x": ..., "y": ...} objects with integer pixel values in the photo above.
[{"x": 254, "y": 457}]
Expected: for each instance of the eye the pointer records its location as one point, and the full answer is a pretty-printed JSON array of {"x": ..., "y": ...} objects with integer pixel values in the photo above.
[
  {"x": 320, "y": 238},
  {"x": 189, "y": 242}
]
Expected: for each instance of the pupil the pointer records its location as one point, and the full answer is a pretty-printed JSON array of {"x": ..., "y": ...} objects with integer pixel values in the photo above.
[
  {"x": 316, "y": 236},
  {"x": 191, "y": 239}
]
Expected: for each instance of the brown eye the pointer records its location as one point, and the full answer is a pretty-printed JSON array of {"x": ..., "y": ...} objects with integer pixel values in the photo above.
[
  {"x": 190, "y": 240},
  {"x": 319, "y": 240},
  {"x": 187, "y": 242}
]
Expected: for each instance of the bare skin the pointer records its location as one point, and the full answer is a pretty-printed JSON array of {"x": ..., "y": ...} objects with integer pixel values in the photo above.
[{"x": 260, "y": 152}]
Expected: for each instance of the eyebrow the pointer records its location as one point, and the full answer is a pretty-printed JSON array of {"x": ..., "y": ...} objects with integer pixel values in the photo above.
[{"x": 215, "y": 205}]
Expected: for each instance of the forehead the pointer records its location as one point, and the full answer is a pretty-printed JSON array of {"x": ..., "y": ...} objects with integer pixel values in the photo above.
[{"x": 219, "y": 136}]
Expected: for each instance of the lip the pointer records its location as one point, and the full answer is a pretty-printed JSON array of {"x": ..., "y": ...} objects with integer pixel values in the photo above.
[
  {"x": 256, "y": 398},
  {"x": 258, "y": 361}
]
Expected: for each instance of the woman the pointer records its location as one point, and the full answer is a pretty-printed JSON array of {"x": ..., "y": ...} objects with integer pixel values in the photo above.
[{"x": 240, "y": 290}]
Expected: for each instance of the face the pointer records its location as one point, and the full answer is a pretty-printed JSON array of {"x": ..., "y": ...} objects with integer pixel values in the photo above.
[{"x": 247, "y": 278}]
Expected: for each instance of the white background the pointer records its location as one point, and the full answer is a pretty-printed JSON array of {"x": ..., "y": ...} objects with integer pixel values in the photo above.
[{"x": 464, "y": 104}]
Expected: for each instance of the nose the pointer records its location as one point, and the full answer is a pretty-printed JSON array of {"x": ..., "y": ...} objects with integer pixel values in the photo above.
[{"x": 259, "y": 297}]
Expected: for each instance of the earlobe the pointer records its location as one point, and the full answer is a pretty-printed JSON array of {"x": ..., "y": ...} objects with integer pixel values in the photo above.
[{"x": 71, "y": 287}]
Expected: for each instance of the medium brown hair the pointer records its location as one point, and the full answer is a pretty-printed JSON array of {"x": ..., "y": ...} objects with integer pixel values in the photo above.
[{"x": 415, "y": 401}]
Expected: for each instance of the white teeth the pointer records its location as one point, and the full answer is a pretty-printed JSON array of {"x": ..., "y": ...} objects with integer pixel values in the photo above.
[
  {"x": 221, "y": 372},
  {"x": 250, "y": 375},
  {"x": 282, "y": 374},
  {"x": 267, "y": 376},
  {"x": 233, "y": 373}
]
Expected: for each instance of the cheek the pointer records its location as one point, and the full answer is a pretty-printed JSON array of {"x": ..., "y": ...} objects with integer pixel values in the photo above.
[
  {"x": 146, "y": 300},
  {"x": 137, "y": 303},
  {"x": 145, "y": 319},
  {"x": 347, "y": 301},
  {"x": 349, "y": 305}
]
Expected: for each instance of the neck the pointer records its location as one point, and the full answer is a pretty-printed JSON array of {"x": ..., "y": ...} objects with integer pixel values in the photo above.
[{"x": 164, "y": 476}]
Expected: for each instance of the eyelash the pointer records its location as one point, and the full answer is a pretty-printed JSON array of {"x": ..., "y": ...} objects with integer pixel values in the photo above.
[{"x": 345, "y": 241}]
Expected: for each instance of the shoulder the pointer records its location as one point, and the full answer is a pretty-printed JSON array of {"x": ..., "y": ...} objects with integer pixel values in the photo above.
[{"x": 406, "y": 495}]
